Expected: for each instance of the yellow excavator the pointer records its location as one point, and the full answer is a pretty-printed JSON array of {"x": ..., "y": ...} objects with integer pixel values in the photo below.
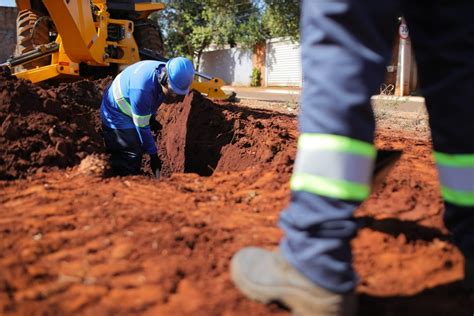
[{"x": 84, "y": 38}]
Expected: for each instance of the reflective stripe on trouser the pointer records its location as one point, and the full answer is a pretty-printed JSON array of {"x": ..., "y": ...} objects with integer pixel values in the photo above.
[
  {"x": 456, "y": 174},
  {"x": 125, "y": 107},
  {"x": 333, "y": 166}
]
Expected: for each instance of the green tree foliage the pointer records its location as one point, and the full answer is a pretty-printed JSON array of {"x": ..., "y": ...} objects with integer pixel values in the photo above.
[
  {"x": 281, "y": 18},
  {"x": 189, "y": 27}
]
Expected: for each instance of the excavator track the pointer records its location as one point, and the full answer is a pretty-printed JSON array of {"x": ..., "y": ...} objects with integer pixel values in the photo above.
[{"x": 30, "y": 33}]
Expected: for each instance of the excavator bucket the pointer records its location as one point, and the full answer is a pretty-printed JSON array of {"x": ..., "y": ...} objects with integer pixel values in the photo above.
[
  {"x": 211, "y": 87},
  {"x": 207, "y": 85}
]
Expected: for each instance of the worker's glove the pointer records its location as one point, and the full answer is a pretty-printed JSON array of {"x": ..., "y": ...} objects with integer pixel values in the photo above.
[{"x": 155, "y": 164}]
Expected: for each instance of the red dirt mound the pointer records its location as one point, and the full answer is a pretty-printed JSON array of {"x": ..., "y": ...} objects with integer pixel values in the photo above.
[
  {"x": 50, "y": 127},
  {"x": 78, "y": 245}
]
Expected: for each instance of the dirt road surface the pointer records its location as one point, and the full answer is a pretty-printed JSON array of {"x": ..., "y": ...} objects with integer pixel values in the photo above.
[{"x": 74, "y": 242}]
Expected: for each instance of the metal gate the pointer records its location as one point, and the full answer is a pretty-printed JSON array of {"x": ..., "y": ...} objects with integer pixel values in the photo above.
[
  {"x": 283, "y": 63},
  {"x": 233, "y": 65}
]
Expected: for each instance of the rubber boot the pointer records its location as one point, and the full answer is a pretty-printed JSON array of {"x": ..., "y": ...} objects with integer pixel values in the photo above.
[{"x": 267, "y": 277}]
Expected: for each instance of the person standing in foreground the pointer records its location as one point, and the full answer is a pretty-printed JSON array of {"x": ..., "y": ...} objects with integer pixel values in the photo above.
[
  {"x": 128, "y": 105},
  {"x": 346, "y": 45}
]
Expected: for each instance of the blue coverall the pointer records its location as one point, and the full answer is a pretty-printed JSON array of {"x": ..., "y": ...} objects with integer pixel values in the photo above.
[
  {"x": 127, "y": 107},
  {"x": 346, "y": 45}
]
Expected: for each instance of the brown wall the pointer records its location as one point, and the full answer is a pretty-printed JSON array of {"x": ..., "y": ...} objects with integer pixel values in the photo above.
[
  {"x": 259, "y": 59},
  {"x": 7, "y": 32}
]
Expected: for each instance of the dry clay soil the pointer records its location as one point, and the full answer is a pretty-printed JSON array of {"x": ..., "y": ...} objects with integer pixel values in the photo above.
[{"x": 74, "y": 242}]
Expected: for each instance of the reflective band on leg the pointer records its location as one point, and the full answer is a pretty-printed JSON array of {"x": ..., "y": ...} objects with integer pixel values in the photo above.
[
  {"x": 456, "y": 174},
  {"x": 334, "y": 166},
  {"x": 457, "y": 197},
  {"x": 336, "y": 143},
  {"x": 460, "y": 179},
  {"x": 337, "y": 189},
  {"x": 454, "y": 160}
]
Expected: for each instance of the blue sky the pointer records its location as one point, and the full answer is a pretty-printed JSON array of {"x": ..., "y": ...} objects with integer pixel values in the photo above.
[{"x": 7, "y": 3}]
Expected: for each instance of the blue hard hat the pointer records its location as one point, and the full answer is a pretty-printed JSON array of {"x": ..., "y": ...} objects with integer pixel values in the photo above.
[{"x": 180, "y": 74}]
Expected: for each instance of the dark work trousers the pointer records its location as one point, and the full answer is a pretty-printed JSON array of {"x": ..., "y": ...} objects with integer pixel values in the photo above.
[
  {"x": 125, "y": 150},
  {"x": 345, "y": 46}
]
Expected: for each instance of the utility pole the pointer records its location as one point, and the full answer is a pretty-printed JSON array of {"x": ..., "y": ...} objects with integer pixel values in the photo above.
[{"x": 404, "y": 61}]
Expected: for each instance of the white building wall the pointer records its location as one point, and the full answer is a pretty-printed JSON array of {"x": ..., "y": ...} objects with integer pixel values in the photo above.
[
  {"x": 233, "y": 65},
  {"x": 283, "y": 63}
]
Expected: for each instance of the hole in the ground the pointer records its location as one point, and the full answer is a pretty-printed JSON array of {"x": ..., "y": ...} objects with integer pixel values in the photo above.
[
  {"x": 208, "y": 132},
  {"x": 198, "y": 136}
]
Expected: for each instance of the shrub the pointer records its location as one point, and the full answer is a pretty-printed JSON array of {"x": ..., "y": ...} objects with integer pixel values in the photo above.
[{"x": 256, "y": 77}]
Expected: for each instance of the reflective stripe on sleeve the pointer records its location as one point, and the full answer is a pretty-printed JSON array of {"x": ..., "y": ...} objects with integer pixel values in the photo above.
[
  {"x": 334, "y": 166},
  {"x": 456, "y": 174},
  {"x": 141, "y": 120}
]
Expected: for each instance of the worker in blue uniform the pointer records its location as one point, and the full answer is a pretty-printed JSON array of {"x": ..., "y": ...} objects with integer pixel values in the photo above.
[
  {"x": 345, "y": 46},
  {"x": 131, "y": 101}
]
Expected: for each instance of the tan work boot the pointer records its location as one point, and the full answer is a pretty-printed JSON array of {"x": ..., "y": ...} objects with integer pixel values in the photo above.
[{"x": 266, "y": 277}]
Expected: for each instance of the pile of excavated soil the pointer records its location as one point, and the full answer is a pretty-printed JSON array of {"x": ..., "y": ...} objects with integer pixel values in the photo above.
[
  {"x": 50, "y": 127},
  {"x": 46, "y": 128}
]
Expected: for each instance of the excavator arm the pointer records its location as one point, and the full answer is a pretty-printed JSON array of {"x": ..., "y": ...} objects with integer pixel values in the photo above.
[
  {"x": 75, "y": 22},
  {"x": 87, "y": 35}
]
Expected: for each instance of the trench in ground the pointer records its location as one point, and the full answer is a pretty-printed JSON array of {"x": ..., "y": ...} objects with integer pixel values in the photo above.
[{"x": 199, "y": 136}]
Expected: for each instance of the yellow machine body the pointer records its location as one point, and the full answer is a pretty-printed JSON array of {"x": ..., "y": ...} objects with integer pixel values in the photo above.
[{"x": 82, "y": 38}]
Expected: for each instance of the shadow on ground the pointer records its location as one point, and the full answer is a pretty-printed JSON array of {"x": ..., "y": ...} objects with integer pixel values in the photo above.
[{"x": 447, "y": 299}]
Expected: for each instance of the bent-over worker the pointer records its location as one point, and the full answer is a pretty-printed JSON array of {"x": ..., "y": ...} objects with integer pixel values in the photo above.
[{"x": 131, "y": 101}]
